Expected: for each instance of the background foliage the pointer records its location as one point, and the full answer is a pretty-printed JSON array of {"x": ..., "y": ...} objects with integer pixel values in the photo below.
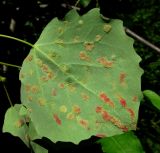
[{"x": 30, "y": 17}]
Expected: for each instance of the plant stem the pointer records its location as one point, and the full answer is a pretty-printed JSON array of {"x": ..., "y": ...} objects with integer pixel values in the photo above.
[
  {"x": 7, "y": 94},
  {"x": 17, "y": 39},
  {"x": 77, "y": 3},
  {"x": 12, "y": 65}
]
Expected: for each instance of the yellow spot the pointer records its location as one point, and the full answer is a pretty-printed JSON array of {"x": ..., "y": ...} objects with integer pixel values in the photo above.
[
  {"x": 70, "y": 116},
  {"x": 89, "y": 46},
  {"x": 39, "y": 62},
  {"x": 42, "y": 102},
  {"x": 76, "y": 39},
  {"x": 98, "y": 38},
  {"x": 59, "y": 41},
  {"x": 107, "y": 27},
  {"x": 64, "y": 68},
  {"x": 80, "y": 22},
  {"x": 71, "y": 87},
  {"x": 63, "y": 109},
  {"x": 30, "y": 98},
  {"x": 60, "y": 30}
]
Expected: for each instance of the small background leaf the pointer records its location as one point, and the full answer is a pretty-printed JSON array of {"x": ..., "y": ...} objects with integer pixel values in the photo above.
[
  {"x": 153, "y": 97},
  {"x": 124, "y": 143},
  {"x": 37, "y": 148},
  {"x": 15, "y": 123},
  {"x": 84, "y": 3}
]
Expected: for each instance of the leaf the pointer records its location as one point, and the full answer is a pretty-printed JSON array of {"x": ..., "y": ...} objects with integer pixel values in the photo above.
[
  {"x": 82, "y": 78},
  {"x": 85, "y": 3},
  {"x": 2, "y": 79},
  {"x": 16, "y": 124},
  {"x": 124, "y": 143},
  {"x": 153, "y": 97},
  {"x": 37, "y": 148}
]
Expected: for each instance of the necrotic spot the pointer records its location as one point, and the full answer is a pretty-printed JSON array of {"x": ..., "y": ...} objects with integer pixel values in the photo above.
[{"x": 57, "y": 119}]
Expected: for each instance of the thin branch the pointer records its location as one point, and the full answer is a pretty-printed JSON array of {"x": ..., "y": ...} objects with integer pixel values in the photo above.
[
  {"x": 17, "y": 39},
  {"x": 12, "y": 65},
  {"x": 139, "y": 38},
  {"x": 7, "y": 94}
]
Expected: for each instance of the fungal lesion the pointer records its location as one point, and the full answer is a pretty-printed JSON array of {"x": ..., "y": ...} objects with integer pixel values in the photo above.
[
  {"x": 29, "y": 58},
  {"x": 107, "y": 28},
  {"x": 89, "y": 46},
  {"x": 105, "y": 62},
  {"x": 83, "y": 56},
  {"x": 98, "y": 37}
]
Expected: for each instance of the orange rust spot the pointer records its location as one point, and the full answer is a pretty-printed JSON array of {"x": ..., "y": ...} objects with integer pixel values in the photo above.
[
  {"x": 135, "y": 98},
  {"x": 89, "y": 46},
  {"x": 84, "y": 56},
  {"x": 20, "y": 123},
  {"x": 61, "y": 85},
  {"x": 122, "y": 78},
  {"x": 106, "y": 116},
  {"x": 106, "y": 63},
  {"x": 84, "y": 96},
  {"x": 124, "y": 128},
  {"x": 122, "y": 102},
  {"x": 99, "y": 109},
  {"x": 100, "y": 135},
  {"x": 50, "y": 75},
  {"x": 117, "y": 123},
  {"x": 76, "y": 109},
  {"x": 53, "y": 92},
  {"x": 105, "y": 98},
  {"x": 84, "y": 123},
  {"x": 131, "y": 112},
  {"x": 57, "y": 119}
]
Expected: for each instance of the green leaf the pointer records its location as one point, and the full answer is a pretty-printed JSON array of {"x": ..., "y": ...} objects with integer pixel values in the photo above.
[
  {"x": 15, "y": 124},
  {"x": 153, "y": 97},
  {"x": 2, "y": 79},
  {"x": 124, "y": 143},
  {"x": 37, "y": 148},
  {"x": 85, "y": 3},
  {"x": 82, "y": 75}
]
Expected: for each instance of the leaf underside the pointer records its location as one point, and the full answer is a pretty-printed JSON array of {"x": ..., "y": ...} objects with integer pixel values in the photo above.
[{"x": 82, "y": 78}]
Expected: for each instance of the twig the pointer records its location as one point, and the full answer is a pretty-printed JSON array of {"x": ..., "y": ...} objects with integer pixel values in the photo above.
[{"x": 134, "y": 35}]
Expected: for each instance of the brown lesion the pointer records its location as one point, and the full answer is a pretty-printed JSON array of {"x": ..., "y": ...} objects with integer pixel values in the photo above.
[
  {"x": 105, "y": 62},
  {"x": 83, "y": 56},
  {"x": 89, "y": 46}
]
